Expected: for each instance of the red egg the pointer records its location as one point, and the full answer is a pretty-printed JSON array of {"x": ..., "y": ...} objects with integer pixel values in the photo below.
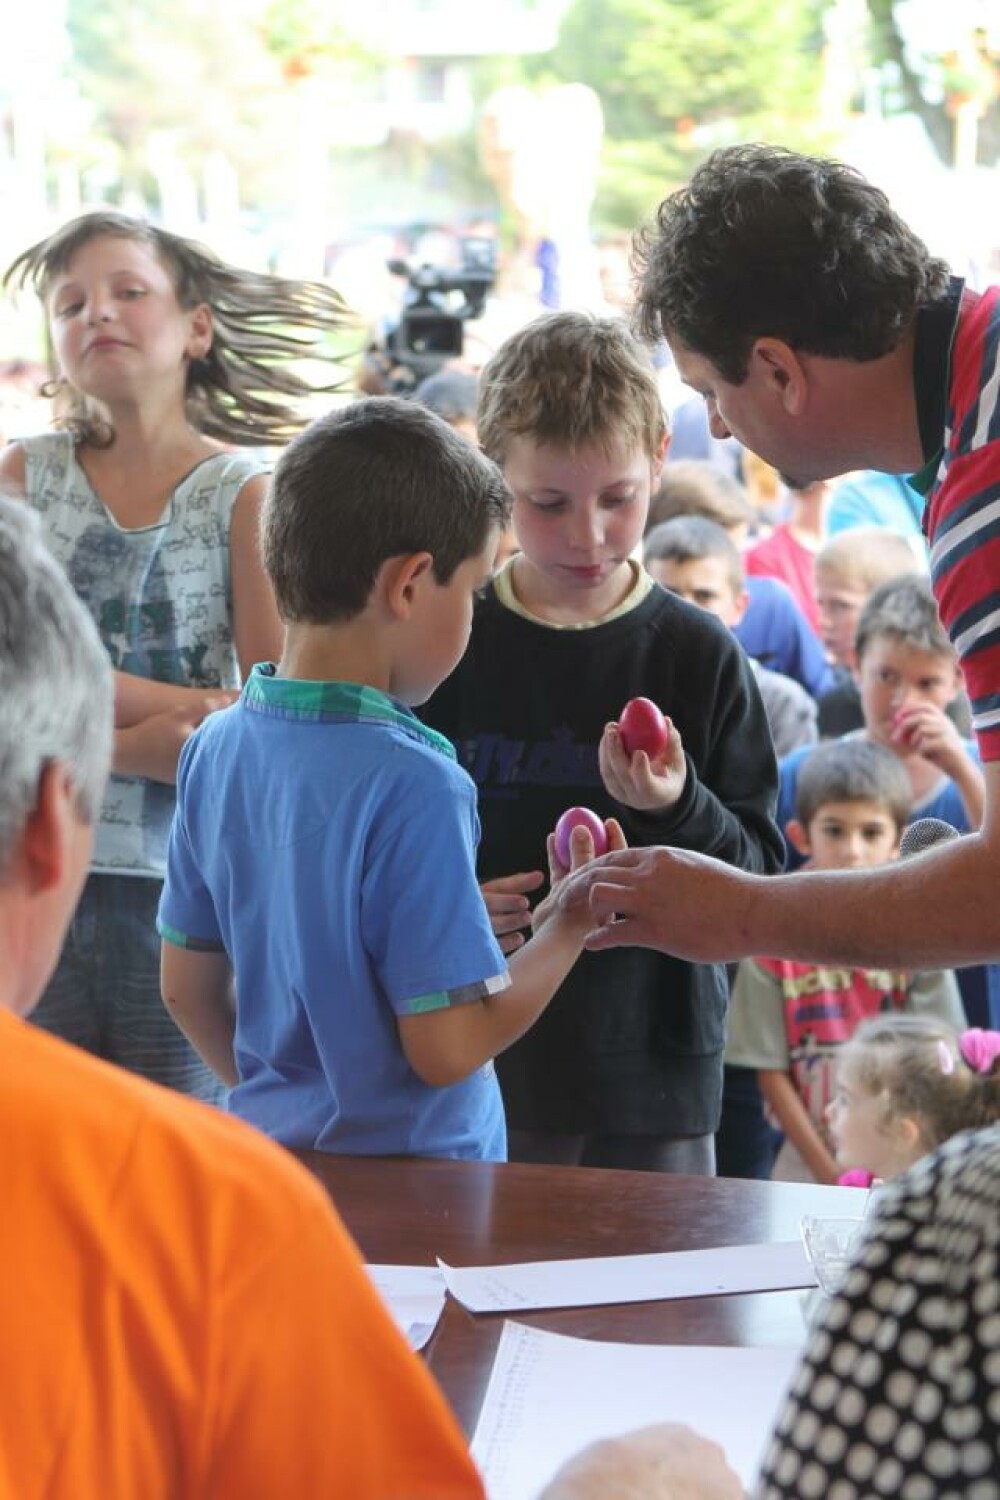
[
  {"x": 581, "y": 817},
  {"x": 643, "y": 727}
]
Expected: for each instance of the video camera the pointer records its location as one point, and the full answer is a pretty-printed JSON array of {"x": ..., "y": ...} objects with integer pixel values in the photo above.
[{"x": 437, "y": 303}]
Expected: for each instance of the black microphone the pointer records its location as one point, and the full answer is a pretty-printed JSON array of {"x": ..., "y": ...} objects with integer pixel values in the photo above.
[{"x": 924, "y": 833}]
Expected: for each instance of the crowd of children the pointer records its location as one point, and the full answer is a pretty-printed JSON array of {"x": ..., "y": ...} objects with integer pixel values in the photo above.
[{"x": 328, "y": 861}]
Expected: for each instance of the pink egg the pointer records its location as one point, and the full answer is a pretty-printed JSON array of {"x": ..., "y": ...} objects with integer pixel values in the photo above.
[
  {"x": 643, "y": 727},
  {"x": 579, "y": 817}
]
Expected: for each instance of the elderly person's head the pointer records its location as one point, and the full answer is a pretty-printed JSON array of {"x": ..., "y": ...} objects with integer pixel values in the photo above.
[{"x": 55, "y": 744}]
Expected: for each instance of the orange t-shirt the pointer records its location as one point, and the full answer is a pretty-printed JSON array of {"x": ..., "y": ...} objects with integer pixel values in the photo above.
[{"x": 181, "y": 1312}]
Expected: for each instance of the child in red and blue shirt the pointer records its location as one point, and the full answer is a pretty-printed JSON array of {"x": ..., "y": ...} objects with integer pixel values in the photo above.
[{"x": 789, "y": 1019}]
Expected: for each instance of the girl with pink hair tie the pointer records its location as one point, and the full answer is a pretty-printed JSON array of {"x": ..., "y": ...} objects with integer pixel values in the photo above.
[{"x": 905, "y": 1084}]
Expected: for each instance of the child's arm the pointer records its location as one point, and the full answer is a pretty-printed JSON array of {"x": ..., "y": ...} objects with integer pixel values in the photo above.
[
  {"x": 152, "y": 747},
  {"x": 926, "y": 730},
  {"x": 197, "y": 989},
  {"x": 779, "y": 1094},
  {"x": 445, "y": 1046},
  {"x": 13, "y": 478},
  {"x": 140, "y": 698},
  {"x": 257, "y": 629},
  {"x": 153, "y": 719}
]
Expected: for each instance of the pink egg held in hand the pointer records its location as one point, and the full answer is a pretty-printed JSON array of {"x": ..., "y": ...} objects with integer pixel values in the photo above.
[
  {"x": 643, "y": 727},
  {"x": 581, "y": 817}
]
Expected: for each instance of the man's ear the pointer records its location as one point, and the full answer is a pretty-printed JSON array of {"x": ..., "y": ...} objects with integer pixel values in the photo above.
[
  {"x": 42, "y": 848},
  {"x": 776, "y": 365},
  {"x": 798, "y": 836},
  {"x": 402, "y": 578}
]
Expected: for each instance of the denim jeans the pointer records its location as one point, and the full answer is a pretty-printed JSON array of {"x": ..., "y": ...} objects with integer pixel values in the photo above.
[{"x": 105, "y": 993}]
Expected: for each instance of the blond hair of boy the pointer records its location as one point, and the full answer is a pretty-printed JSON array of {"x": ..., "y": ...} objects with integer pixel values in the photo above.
[{"x": 849, "y": 567}]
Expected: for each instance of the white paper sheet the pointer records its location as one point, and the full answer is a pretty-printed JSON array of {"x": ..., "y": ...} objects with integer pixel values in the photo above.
[
  {"x": 549, "y": 1396},
  {"x": 603, "y": 1280},
  {"x": 414, "y": 1295}
]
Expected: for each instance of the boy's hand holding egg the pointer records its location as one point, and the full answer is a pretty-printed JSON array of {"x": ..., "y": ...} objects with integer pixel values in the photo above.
[
  {"x": 642, "y": 760},
  {"x": 924, "y": 729},
  {"x": 580, "y": 835},
  {"x": 643, "y": 727},
  {"x": 578, "y": 817}
]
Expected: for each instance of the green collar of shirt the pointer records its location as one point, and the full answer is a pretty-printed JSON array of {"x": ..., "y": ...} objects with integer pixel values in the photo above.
[{"x": 334, "y": 703}]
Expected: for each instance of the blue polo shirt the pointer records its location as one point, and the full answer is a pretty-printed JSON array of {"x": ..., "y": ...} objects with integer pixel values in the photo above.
[{"x": 326, "y": 840}]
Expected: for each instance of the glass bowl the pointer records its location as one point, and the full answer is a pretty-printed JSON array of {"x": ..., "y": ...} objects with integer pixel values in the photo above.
[{"x": 830, "y": 1246}]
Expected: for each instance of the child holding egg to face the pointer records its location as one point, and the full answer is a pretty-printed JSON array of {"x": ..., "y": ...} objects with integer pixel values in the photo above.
[
  {"x": 909, "y": 676},
  {"x": 625, "y": 1067}
]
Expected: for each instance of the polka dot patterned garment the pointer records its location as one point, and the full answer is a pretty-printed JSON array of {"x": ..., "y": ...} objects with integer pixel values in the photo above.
[{"x": 899, "y": 1390}]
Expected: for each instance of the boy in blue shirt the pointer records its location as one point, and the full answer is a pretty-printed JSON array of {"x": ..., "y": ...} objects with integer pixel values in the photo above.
[{"x": 323, "y": 852}]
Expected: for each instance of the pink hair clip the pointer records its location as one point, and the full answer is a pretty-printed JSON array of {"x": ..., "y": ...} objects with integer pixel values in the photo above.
[
  {"x": 946, "y": 1058},
  {"x": 979, "y": 1048},
  {"x": 856, "y": 1177}
]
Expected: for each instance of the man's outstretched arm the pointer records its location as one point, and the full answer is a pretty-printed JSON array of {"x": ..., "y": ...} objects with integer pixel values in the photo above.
[{"x": 936, "y": 910}]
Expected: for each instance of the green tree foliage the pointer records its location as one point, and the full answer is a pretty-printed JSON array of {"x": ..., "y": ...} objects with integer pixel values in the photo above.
[{"x": 678, "y": 77}]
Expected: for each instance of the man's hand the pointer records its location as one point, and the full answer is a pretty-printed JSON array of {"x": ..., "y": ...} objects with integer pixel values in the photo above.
[
  {"x": 671, "y": 899},
  {"x": 665, "y": 1462},
  {"x": 506, "y": 899},
  {"x": 636, "y": 781}
]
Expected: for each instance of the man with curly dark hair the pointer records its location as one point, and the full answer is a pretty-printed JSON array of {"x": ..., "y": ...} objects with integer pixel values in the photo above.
[{"x": 822, "y": 333}]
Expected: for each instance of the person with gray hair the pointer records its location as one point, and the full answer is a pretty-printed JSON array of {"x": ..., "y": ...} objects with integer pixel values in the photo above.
[{"x": 55, "y": 682}]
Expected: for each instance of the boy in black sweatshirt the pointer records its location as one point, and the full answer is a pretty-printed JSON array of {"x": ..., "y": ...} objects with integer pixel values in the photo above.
[{"x": 625, "y": 1067}]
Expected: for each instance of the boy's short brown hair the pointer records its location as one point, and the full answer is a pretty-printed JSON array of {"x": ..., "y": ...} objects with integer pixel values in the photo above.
[
  {"x": 567, "y": 379},
  {"x": 377, "y": 479},
  {"x": 867, "y": 555},
  {"x": 904, "y": 610},
  {"x": 691, "y": 539},
  {"x": 853, "y": 770}
]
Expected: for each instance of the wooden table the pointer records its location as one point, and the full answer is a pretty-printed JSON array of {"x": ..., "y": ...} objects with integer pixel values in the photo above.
[{"x": 406, "y": 1212}]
